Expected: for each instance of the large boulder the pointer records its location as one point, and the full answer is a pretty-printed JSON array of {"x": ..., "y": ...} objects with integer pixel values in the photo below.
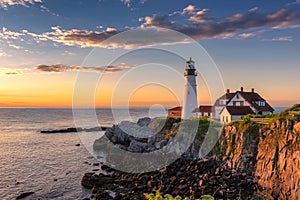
[
  {"x": 135, "y": 130},
  {"x": 126, "y": 132},
  {"x": 137, "y": 147},
  {"x": 117, "y": 136},
  {"x": 160, "y": 144},
  {"x": 144, "y": 121}
]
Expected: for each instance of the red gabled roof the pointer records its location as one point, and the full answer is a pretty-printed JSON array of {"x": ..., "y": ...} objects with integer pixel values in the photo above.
[
  {"x": 239, "y": 110},
  {"x": 205, "y": 109},
  {"x": 226, "y": 96},
  {"x": 252, "y": 97},
  {"x": 178, "y": 108}
]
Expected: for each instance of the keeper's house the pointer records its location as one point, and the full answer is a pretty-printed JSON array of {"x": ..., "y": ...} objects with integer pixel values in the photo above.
[{"x": 243, "y": 103}]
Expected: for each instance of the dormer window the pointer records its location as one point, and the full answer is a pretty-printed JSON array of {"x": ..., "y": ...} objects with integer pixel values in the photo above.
[{"x": 261, "y": 103}]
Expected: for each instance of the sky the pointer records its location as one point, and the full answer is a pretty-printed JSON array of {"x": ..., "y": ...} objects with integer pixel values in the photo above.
[{"x": 59, "y": 53}]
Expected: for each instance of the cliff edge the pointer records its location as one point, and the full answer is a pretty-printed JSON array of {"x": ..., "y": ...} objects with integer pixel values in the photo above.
[{"x": 270, "y": 153}]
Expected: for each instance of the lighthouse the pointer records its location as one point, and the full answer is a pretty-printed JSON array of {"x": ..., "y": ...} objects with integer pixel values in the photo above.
[{"x": 190, "y": 91}]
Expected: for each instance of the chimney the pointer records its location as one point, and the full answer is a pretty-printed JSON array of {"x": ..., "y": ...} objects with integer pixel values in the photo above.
[
  {"x": 242, "y": 89},
  {"x": 252, "y": 90},
  {"x": 228, "y": 91}
]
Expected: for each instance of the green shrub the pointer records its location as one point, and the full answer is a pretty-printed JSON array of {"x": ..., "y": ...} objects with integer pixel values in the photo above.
[
  {"x": 295, "y": 107},
  {"x": 159, "y": 196}
]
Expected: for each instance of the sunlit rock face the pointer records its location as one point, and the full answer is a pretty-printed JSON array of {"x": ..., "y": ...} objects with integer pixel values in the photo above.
[{"x": 270, "y": 154}]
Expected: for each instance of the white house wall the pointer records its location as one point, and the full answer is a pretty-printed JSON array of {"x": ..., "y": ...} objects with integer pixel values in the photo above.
[
  {"x": 218, "y": 109},
  {"x": 235, "y": 99},
  {"x": 205, "y": 114},
  {"x": 223, "y": 116}
]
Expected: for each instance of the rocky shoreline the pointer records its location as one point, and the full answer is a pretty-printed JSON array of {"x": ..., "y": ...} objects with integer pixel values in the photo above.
[
  {"x": 189, "y": 178},
  {"x": 249, "y": 161}
]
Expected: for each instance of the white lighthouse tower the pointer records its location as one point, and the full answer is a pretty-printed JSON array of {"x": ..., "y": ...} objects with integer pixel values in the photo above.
[{"x": 190, "y": 91}]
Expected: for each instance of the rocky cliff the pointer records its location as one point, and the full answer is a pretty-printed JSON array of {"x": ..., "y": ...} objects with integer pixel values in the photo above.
[
  {"x": 258, "y": 161},
  {"x": 270, "y": 153}
]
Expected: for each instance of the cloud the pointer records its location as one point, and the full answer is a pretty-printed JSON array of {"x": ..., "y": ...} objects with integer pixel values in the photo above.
[
  {"x": 201, "y": 28},
  {"x": 129, "y": 2},
  {"x": 56, "y": 68},
  {"x": 14, "y": 46},
  {"x": 63, "y": 68},
  {"x": 199, "y": 16},
  {"x": 6, "y": 3},
  {"x": 13, "y": 73},
  {"x": 253, "y": 9},
  {"x": 189, "y": 9},
  {"x": 45, "y": 9},
  {"x": 83, "y": 38},
  {"x": 10, "y": 72},
  {"x": 249, "y": 35},
  {"x": 286, "y": 25},
  {"x": 4, "y": 54},
  {"x": 75, "y": 37},
  {"x": 191, "y": 21},
  {"x": 286, "y": 38},
  {"x": 7, "y": 34},
  {"x": 126, "y": 2}
]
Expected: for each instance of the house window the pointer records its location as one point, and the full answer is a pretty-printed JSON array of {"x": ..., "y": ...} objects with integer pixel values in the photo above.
[
  {"x": 202, "y": 113},
  {"x": 242, "y": 103},
  {"x": 226, "y": 118},
  {"x": 237, "y": 96},
  {"x": 234, "y": 103},
  {"x": 208, "y": 114},
  {"x": 222, "y": 102},
  {"x": 223, "y": 119}
]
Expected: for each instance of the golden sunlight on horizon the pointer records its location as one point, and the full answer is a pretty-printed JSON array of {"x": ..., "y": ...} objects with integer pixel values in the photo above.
[{"x": 56, "y": 90}]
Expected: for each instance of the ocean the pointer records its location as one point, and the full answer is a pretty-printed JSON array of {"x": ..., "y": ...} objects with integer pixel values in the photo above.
[{"x": 50, "y": 165}]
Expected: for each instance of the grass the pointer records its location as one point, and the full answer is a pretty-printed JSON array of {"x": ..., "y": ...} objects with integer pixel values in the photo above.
[
  {"x": 164, "y": 126},
  {"x": 284, "y": 115}
]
